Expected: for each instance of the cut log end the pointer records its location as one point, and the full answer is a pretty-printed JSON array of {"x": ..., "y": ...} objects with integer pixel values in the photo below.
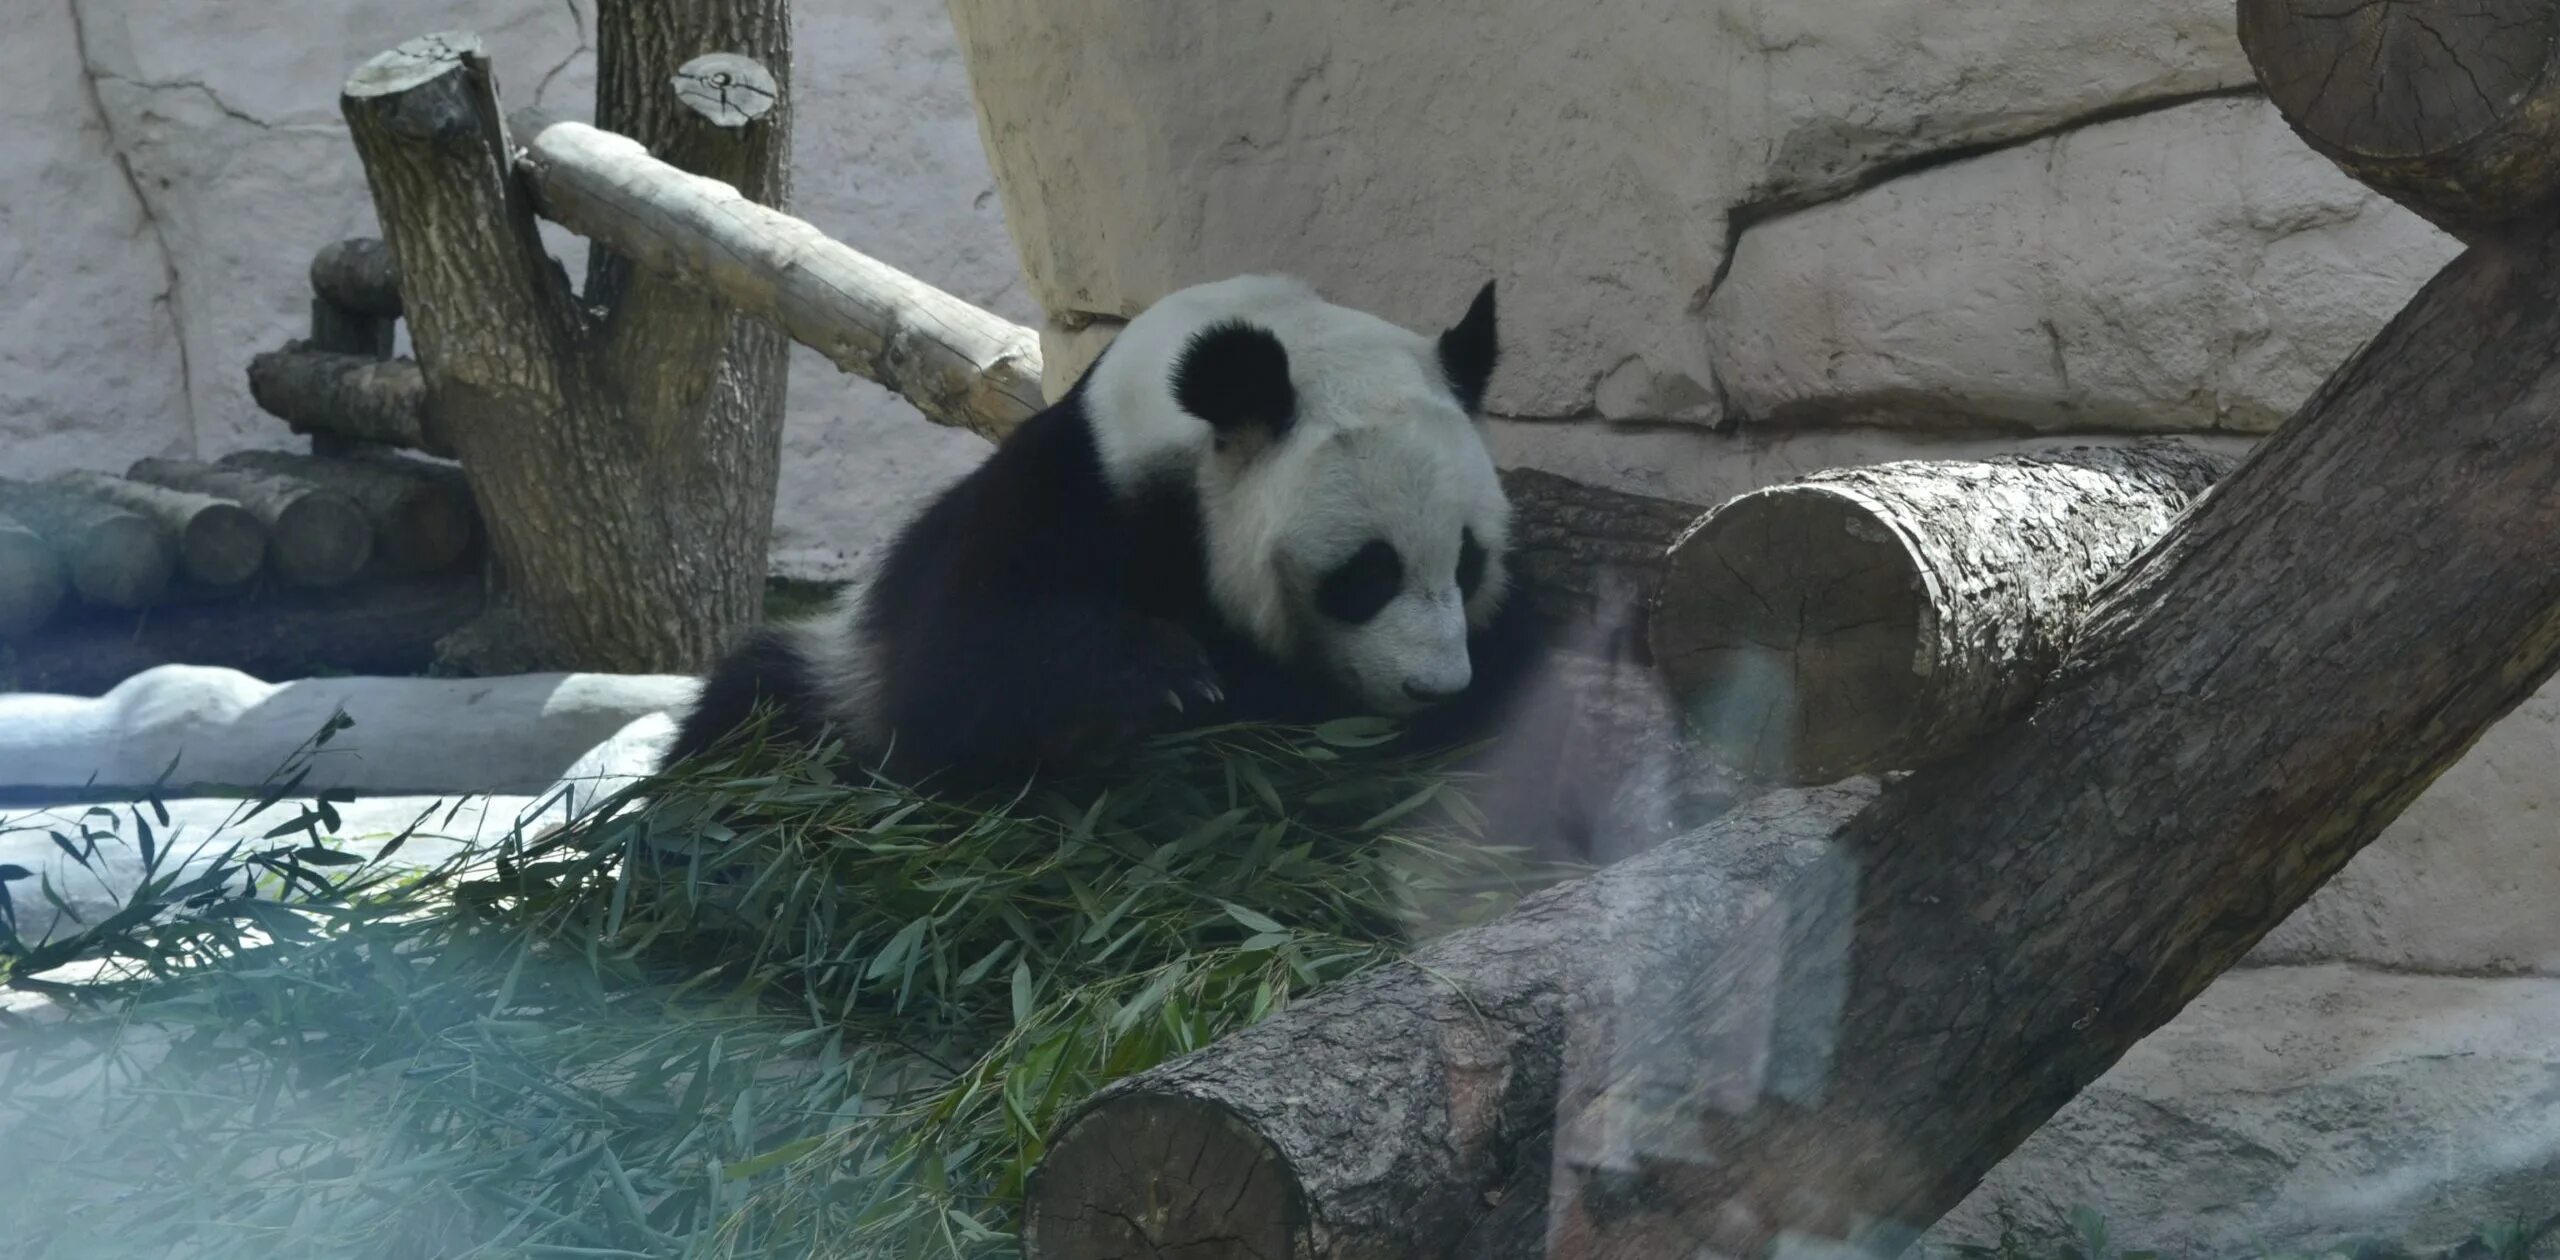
[
  {"x": 315, "y": 536},
  {"x": 1160, "y": 1176},
  {"x": 418, "y": 61},
  {"x": 31, "y": 580},
  {"x": 220, "y": 543},
  {"x": 1796, "y": 681},
  {"x": 113, "y": 557},
  {"x": 727, "y": 89},
  {"x": 2454, "y": 111},
  {"x": 357, "y": 276}
]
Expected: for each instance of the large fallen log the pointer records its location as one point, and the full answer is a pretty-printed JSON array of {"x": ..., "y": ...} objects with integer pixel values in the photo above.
[
  {"x": 31, "y": 580},
  {"x": 315, "y": 535},
  {"x": 2450, "y": 110},
  {"x": 114, "y": 558},
  {"x": 421, "y": 513},
  {"x": 2246, "y": 708},
  {"x": 1869, "y": 619},
  {"x": 959, "y": 365},
  {"x": 219, "y": 542},
  {"x": 355, "y": 396}
]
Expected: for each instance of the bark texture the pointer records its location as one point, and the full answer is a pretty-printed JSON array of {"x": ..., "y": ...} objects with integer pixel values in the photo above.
[
  {"x": 421, "y": 515},
  {"x": 315, "y": 535},
  {"x": 32, "y": 583},
  {"x": 363, "y": 627},
  {"x": 1598, "y": 554},
  {"x": 624, "y": 462},
  {"x": 114, "y": 558},
  {"x": 2248, "y": 706},
  {"x": 219, "y": 542},
  {"x": 1377, "y": 1118},
  {"x": 358, "y": 276},
  {"x": 958, "y": 364},
  {"x": 2451, "y": 110},
  {"x": 346, "y": 395},
  {"x": 1868, "y": 619}
]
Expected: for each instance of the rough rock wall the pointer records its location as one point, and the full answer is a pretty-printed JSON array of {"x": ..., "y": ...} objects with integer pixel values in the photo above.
[{"x": 170, "y": 167}]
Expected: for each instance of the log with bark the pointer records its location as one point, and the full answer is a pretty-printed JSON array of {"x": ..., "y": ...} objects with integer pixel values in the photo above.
[
  {"x": 420, "y": 513},
  {"x": 2245, "y": 708},
  {"x": 32, "y": 583},
  {"x": 622, "y": 444},
  {"x": 219, "y": 542},
  {"x": 2451, "y": 110},
  {"x": 1596, "y": 555},
  {"x": 316, "y": 536},
  {"x": 353, "y": 396},
  {"x": 1868, "y": 619},
  {"x": 358, "y": 276},
  {"x": 114, "y": 557}
]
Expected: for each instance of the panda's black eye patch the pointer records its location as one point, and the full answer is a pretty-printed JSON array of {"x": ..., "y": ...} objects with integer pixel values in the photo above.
[
  {"x": 1358, "y": 587},
  {"x": 1470, "y": 564}
]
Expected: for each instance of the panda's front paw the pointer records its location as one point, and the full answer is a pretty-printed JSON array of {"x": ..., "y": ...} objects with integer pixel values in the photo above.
[{"x": 1173, "y": 672}]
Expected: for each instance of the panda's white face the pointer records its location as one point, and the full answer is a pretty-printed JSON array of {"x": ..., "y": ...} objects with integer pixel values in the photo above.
[{"x": 1352, "y": 516}]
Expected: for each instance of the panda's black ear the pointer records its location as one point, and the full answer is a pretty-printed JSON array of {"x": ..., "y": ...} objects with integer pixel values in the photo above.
[
  {"x": 1236, "y": 376},
  {"x": 1468, "y": 351}
]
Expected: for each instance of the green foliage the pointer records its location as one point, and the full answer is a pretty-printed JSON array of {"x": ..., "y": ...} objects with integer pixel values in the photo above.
[{"x": 758, "y": 1011}]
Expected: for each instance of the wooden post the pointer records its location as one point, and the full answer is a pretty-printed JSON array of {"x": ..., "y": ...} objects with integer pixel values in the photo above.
[
  {"x": 219, "y": 542},
  {"x": 315, "y": 536}
]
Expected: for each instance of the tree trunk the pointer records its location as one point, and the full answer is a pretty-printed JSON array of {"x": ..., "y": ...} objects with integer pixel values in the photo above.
[
  {"x": 113, "y": 557},
  {"x": 959, "y": 365},
  {"x": 1869, "y": 619},
  {"x": 31, "y": 580},
  {"x": 315, "y": 535},
  {"x": 624, "y": 465},
  {"x": 2248, "y": 705},
  {"x": 358, "y": 277},
  {"x": 220, "y": 543},
  {"x": 2450, "y": 110},
  {"x": 357, "y": 397},
  {"x": 422, "y": 519}
]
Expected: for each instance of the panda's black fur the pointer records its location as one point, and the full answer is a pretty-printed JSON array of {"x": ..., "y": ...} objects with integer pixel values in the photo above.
[{"x": 1034, "y": 615}]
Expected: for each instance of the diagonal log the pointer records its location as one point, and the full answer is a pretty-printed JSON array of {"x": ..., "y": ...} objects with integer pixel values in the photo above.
[{"x": 2248, "y": 706}]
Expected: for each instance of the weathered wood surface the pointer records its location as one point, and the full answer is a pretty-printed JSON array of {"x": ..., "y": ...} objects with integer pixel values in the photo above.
[
  {"x": 1597, "y": 554},
  {"x": 2247, "y": 707},
  {"x": 364, "y": 627},
  {"x": 622, "y": 444},
  {"x": 421, "y": 514},
  {"x": 958, "y": 364},
  {"x": 219, "y": 542},
  {"x": 315, "y": 535},
  {"x": 32, "y": 582},
  {"x": 1869, "y": 619},
  {"x": 2451, "y": 110},
  {"x": 354, "y": 396},
  {"x": 114, "y": 557},
  {"x": 359, "y": 277}
]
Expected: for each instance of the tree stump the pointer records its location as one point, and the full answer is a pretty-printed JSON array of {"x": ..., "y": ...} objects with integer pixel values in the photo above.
[
  {"x": 220, "y": 544},
  {"x": 114, "y": 557},
  {"x": 315, "y": 536},
  {"x": 1869, "y": 619}
]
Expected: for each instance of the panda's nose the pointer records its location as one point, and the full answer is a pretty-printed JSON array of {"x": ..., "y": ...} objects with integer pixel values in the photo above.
[{"x": 1423, "y": 691}]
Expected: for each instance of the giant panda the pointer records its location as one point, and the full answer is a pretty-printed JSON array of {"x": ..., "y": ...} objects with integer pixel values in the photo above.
[{"x": 1254, "y": 505}]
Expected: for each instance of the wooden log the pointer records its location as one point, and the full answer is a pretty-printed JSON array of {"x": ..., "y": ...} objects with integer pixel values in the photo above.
[
  {"x": 1868, "y": 619},
  {"x": 1596, "y": 555},
  {"x": 359, "y": 277},
  {"x": 114, "y": 557},
  {"x": 275, "y": 632},
  {"x": 219, "y": 542},
  {"x": 2450, "y": 110},
  {"x": 2249, "y": 704},
  {"x": 315, "y": 536},
  {"x": 32, "y": 583},
  {"x": 959, "y": 365},
  {"x": 353, "y": 396},
  {"x": 421, "y": 514}
]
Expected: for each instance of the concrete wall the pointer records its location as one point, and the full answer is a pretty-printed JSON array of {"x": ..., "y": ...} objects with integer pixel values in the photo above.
[{"x": 169, "y": 167}]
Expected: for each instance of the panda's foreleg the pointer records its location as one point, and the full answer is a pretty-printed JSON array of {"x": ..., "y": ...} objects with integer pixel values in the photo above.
[{"x": 1061, "y": 678}]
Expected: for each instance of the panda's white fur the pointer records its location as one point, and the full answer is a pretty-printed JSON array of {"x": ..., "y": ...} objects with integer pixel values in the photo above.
[{"x": 1377, "y": 444}]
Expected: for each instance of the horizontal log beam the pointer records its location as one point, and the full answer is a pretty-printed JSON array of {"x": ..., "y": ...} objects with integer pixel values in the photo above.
[
  {"x": 219, "y": 542},
  {"x": 114, "y": 557},
  {"x": 422, "y": 515},
  {"x": 32, "y": 583},
  {"x": 315, "y": 535},
  {"x": 351, "y": 396}
]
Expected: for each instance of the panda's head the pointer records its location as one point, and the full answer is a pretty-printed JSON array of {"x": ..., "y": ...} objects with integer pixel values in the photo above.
[{"x": 1352, "y": 518}]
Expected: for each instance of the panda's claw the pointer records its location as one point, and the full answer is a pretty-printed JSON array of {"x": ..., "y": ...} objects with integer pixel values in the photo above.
[
  {"x": 1174, "y": 698},
  {"x": 1216, "y": 693}
]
